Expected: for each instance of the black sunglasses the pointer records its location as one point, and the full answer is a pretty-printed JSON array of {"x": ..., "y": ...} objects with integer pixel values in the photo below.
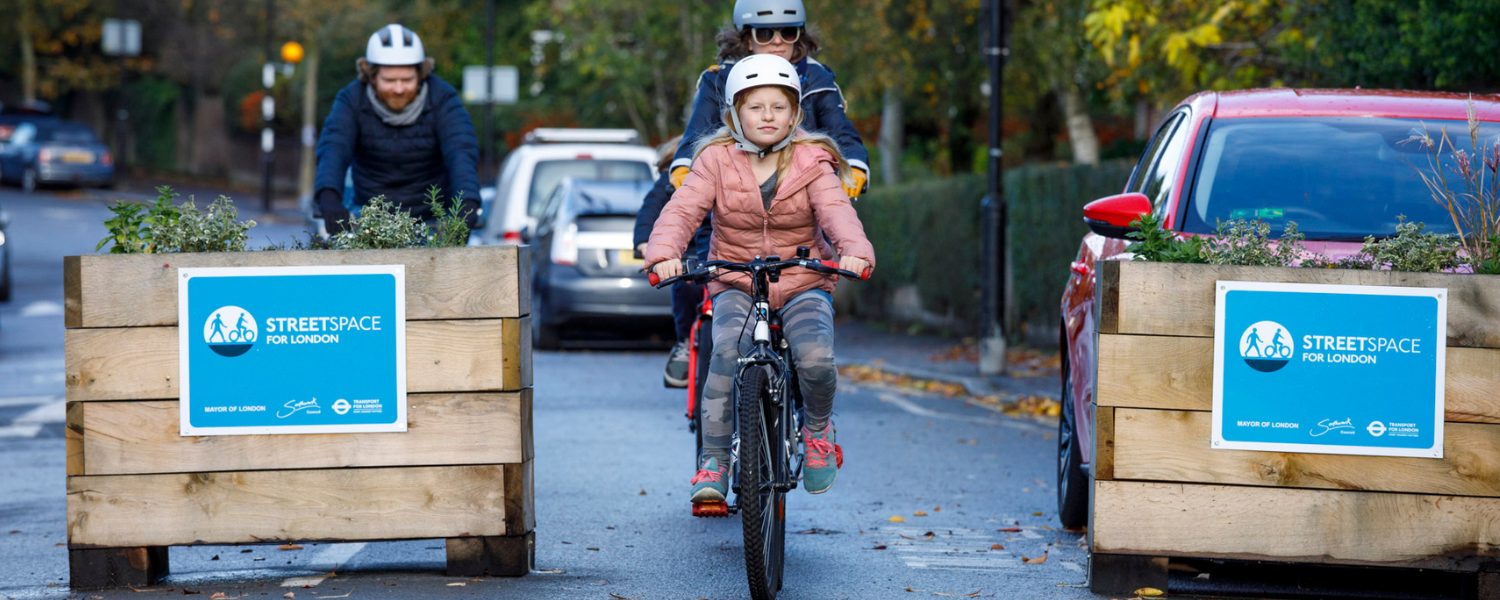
[{"x": 766, "y": 35}]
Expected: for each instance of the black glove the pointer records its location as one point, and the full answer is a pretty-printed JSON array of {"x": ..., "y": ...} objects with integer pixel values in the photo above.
[{"x": 335, "y": 216}]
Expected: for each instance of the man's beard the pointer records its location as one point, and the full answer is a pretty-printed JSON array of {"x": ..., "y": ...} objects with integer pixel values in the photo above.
[{"x": 396, "y": 102}]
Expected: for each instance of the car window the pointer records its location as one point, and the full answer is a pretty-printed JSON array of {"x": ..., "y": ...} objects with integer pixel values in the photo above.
[
  {"x": 67, "y": 135},
  {"x": 1338, "y": 178},
  {"x": 1160, "y": 178},
  {"x": 24, "y": 133},
  {"x": 549, "y": 173}
]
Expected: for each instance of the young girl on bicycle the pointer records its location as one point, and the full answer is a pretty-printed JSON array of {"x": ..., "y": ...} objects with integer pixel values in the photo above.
[{"x": 771, "y": 188}]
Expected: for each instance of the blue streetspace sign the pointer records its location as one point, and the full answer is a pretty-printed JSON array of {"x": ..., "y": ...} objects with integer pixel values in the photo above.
[
  {"x": 1330, "y": 369},
  {"x": 292, "y": 349}
]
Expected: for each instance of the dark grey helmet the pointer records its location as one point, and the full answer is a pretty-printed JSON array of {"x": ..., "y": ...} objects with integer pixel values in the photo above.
[{"x": 769, "y": 13}]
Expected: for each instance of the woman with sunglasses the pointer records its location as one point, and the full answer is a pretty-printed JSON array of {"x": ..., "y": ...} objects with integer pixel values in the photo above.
[{"x": 776, "y": 27}]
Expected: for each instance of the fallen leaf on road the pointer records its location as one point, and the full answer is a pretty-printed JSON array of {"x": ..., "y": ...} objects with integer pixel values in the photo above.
[
  {"x": 996, "y": 547},
  {"x": 897, "y": 519},
  {"x": 969, "y": 595},
  {"x": 1149, "y": 591},
  {"x": 594, "y": 549},
  {"x": 14, "y": 531},
  {"x": 188, "y": 592},
  {"x": 818, "y": 531},
  {"x": 343, "y": 595},
  {"x": 919, "y": 514},
  {"x": 289, "y": 595},
  {"x": 1036, "y": 514},
  {"x": 880, "y": 547},
  {"x": 289, "y": 547},
  {"x": 908, "y": 588},
  {"x": 1010, "y": 529},
  {"x": 457, "y": 584},
  {"x": 643, "y": 492},
  {"x": 1035, "y": 561},
  {"x": 619, "y": 597},
  {"x": 550, "y": 571},
  {"x": 927, "y": 535},
  {"x": 937, "y": 509}
]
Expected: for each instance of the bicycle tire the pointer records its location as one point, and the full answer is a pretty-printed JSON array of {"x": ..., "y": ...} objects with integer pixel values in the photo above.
[{"x": 762, "y": 508}]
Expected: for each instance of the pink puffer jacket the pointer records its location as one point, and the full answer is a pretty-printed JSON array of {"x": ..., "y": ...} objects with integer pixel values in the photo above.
[{"x": 808, "y": 202}]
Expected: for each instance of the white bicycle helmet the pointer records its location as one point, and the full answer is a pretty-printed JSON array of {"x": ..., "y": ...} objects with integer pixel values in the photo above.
[
  {"x": 394, "y": 45},
  {"x": 769, "y": 13},
  {"x": 755, "y": 71}
]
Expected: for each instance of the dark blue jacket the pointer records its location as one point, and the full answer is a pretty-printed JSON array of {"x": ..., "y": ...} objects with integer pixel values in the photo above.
[
  {"x": 400, "y": 163},
  {"x": 656, "y": 200},
  {"x": 822, "y": 112}
]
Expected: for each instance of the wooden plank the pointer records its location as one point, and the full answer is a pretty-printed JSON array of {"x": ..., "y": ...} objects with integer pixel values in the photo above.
[
  {"x": 1314, "y": 526},
  {"x": 140, "y": 363},
  {"x": 140, "y": 437},
  {"x": 1178, "y": 299},
  {"x": 1108, "y": 295},
  {"x": 1177, "y": 373},
  {"x": 272, "y": 506},
  {"x": 496, "y": 556},
  {"x": 1161, "y": 445},
  {"x": 520, "y": 498},
  {"x": 1104, "y": 442},
  {"x": 482, "y": 282}
]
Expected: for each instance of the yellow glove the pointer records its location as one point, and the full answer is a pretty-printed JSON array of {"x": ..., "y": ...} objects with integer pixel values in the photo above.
[
  {"x": 679, "y": 175},
  {"x": 853, "y": 189}
]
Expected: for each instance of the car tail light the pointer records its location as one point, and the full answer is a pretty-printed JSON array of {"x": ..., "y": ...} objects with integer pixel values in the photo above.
[
  {"x": 44, "y": 155},
  {"x": 565, "y": 246},
  {"x": 106, "y": 160},
  {"x": 511, "y": 237}
]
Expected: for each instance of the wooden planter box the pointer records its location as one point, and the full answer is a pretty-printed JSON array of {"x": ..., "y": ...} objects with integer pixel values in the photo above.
[
  {"x": 462, "y": 471},
  {"x": 1160, "y": 492}
]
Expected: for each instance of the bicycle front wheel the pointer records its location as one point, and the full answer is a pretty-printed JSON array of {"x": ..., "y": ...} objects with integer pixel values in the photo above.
[{"x": 762, "y": 507}]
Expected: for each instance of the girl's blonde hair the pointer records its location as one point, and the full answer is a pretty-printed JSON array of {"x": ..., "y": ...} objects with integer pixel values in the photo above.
[{"x": 724, "y": 137}]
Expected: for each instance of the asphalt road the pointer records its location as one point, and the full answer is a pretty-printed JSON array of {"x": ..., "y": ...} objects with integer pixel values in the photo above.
[{"x": 613, "y": 461}]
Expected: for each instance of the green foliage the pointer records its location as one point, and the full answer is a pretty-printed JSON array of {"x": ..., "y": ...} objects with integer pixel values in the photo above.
[
  {"x": 1156, "y": 244},
  {"x": 134, "y": 228},
  {"x": 216, "y": 230},
  {"x": 1490, "y": 263},
  {"x": 381, "y": 225},
  {"x": 450, "y": 229},
  {"x": 1413, "y": 249},
  {"x": 1358, "y": 261},
  {"x": 1249, "y": 243},
  {"x": 1407, "y": 44}
]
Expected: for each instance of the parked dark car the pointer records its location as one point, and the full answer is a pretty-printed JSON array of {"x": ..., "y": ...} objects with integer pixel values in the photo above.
[
  {"x": 56, "y": 152},
  {"x": 583, "y": 266}
]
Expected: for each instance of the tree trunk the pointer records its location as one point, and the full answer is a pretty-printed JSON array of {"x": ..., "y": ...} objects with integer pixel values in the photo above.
[
  {"x": 1080, "y": 126},
  {"x": 1142, "y": 120},
  {"x": 892, "y": 134},
  {"x": 28, "y": 51},
  {"x": 309, "y": 122}
]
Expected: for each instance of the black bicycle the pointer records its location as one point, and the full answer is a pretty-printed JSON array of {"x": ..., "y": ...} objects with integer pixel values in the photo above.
[{"x": 767, "y": 449}]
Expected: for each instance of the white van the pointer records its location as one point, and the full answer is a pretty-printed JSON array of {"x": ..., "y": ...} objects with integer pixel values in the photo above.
[{"x": 532, "y": 171}]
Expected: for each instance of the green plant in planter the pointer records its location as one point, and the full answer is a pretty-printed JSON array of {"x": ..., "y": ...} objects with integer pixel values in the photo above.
[
  {"x": 1156, "y": 244},
  {"x": 1249, "y": 243},
  {"x": 1490, "y": 263},
  {"x": 217, "y": 229},
  {"x": 450, "y": 229},
  {"x": 381, "y": 225},
  {"x": 1413, "y": 249},
  {"x": 134, "y": 226}
]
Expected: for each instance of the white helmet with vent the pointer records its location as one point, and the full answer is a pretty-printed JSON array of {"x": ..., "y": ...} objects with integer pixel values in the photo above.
[
  {"x": 769, "y": 13},
  {"x": 755, "y": 71},
  {"x": 394, "y": 45}
]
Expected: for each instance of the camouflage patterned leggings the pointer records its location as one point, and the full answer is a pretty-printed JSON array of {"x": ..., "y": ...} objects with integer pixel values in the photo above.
[{"x": 807, "y": 323}]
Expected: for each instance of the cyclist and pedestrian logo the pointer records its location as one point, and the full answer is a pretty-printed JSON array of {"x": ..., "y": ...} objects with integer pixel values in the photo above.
[
  {"x": 230, "y": 331},
  {"x": 1266, "y": 346}
]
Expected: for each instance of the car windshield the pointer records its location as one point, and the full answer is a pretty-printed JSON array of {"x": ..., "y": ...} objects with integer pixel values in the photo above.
[
  {"x": 609, "y": 198},
  {"x": 1338, "y": 178},
  {"x": 550, "y": 172},
  {"x": 68, "y": 135}
]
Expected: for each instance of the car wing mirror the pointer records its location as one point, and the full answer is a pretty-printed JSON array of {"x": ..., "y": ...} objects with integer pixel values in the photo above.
[{"x": 1111, "y": 216}]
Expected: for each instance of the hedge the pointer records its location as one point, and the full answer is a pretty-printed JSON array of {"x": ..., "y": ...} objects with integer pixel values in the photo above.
[{"x": 926, "y": 234}]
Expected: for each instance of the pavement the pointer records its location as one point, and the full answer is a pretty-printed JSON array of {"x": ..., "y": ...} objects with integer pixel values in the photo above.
[{"x": 939, "y": 495}]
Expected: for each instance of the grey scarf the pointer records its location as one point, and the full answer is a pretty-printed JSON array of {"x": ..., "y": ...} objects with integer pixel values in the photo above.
[{"x": 405, "y": 116}]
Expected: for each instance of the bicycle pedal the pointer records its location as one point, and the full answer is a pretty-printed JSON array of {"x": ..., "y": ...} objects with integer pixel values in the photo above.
[{"x": 716, "y": 508}]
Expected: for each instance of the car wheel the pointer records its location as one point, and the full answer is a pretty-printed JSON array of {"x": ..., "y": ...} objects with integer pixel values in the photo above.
[
  {"x": 28, "y": 180},
  {"x": 544, "y": 336},
  {"x": 1072, "y": 483}
]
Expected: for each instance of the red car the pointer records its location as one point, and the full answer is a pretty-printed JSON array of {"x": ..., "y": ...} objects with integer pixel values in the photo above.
[{"x": 1342, "y": 164}]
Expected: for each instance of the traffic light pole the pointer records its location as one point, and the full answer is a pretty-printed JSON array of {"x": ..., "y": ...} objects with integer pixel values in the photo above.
[
  {"x": 268, "y": 110},
  {"x": 992, "y": 325}
]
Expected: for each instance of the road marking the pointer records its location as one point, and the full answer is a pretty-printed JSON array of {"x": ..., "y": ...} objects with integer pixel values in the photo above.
[
  {"x": 20, "y": 431},
  {"x": 330, "y": 558},
  {"x": 26, "y": 400},
  {"x": 56, "y": 412},
  {"x": 42, "y": 308},
  {"x": 922, "y": 411},
  {"x": 297, "y": 582},
  {"x": 953, "y": 549}
]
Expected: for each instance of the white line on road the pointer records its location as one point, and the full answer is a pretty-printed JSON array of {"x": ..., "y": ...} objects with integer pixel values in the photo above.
[
  {"x": 20, "y": 431},
  {"x": 42, "y": 308},
  {"x": 26, "y": 400},
  {"x": 56, "y": 412},
  {"x": 330, "y": 558},
  {"x": 922, "y": 411}
]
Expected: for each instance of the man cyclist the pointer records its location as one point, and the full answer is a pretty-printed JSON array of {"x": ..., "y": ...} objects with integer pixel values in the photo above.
[{"x": 402, "y": 129}]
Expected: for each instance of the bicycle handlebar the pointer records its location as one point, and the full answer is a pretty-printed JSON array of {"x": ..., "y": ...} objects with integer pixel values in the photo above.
[{"x": 712, "y": 267}]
